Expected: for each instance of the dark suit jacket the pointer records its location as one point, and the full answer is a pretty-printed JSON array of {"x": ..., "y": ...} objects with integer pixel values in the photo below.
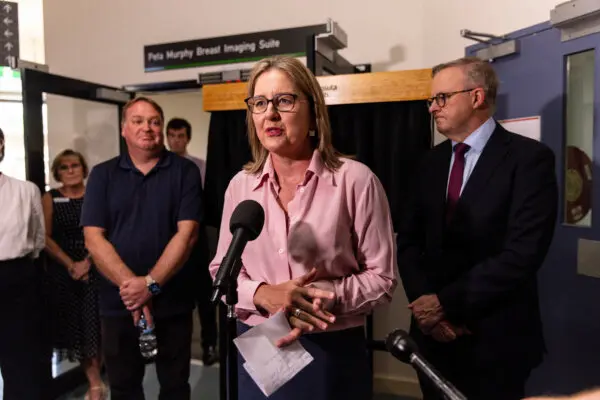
[{"x": 483, "y": 263}]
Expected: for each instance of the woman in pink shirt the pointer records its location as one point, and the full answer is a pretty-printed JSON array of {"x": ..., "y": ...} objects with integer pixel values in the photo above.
[{"x": 325, "y": 255}]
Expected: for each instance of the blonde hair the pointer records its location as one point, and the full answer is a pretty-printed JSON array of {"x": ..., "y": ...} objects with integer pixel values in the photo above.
[
  {"x": 306, "y": 82},
  {"x": 478, "y": 72}
]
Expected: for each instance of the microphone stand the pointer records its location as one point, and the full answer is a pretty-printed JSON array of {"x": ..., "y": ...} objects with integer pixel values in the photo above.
[
  {"x": 231, "y": 299},
  {"x": 229, "y": 287},
  {"x": 448, "y": 390},
  {"x": 403, "y": 347},
  {"x": 246, "y": 223}
]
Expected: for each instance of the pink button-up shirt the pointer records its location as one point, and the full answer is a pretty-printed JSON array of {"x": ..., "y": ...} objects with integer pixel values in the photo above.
[{"x": 346, "y": 233}]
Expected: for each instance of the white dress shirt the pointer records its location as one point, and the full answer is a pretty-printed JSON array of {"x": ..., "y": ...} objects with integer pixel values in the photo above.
[{"x": 22, "y": 231}]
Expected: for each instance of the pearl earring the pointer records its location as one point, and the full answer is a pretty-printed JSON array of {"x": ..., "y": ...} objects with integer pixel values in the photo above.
[{"x": 311, "y": 133}]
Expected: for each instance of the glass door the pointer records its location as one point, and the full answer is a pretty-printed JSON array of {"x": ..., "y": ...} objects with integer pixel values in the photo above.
[{"x": 59, "y": 113}]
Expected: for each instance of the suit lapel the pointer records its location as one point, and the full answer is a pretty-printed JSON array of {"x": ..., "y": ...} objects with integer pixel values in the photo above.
[
  {"x": 493, "y": 153},
  {"x": 439, "y": 183}
]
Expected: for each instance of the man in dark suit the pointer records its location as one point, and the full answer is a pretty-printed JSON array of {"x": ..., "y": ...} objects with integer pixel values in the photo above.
[{"x": 478, "y": 229}]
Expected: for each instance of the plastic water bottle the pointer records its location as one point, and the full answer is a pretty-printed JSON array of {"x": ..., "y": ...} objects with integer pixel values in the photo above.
[{"x": 148, "y": 345}]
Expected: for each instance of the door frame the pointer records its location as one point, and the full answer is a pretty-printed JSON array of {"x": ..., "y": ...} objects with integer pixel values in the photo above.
[
  {"x": 564, "y": 292},
  {"x": 34, "y": 84}
]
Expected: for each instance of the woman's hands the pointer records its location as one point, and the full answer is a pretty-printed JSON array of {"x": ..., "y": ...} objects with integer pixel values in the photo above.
[
  {"x": 80, "y": 269},
  {"x": 305, "y": 305}
]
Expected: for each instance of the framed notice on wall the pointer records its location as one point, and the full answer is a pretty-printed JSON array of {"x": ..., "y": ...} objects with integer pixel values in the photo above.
[{"x": 530, "y": 127}]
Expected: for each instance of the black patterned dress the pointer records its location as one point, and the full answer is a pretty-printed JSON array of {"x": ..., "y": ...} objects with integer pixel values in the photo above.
[{"x": 74, "y": 319}]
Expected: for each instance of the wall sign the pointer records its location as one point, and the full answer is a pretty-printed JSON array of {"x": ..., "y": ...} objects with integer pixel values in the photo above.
[
  {"x": 9, "y": 32},
  {"x": 229, "y": 49}
]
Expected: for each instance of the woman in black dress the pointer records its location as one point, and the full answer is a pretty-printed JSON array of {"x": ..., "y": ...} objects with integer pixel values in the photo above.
[{"x": 72, "y": 283}]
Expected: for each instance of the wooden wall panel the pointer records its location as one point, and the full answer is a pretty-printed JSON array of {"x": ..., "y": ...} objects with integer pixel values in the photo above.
[
  {"x": 224, "y": 96},
  {"x": 375, "y": 87}
]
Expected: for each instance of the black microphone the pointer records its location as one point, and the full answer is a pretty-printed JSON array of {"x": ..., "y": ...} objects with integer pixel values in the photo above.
[
  {"x": 402, "y": 346},
  {"x": 245, "y": 224}
]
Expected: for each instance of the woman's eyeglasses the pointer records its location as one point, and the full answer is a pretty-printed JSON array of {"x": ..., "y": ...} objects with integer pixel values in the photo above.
[
  {"x": 283, "y": 102},
  {"x": 65, "y": 167}
]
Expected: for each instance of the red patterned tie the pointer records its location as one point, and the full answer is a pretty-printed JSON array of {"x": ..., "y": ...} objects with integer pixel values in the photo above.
[{"x": 456, "y": 178}]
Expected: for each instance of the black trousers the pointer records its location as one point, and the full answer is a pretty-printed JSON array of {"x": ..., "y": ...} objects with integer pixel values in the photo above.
[
  {"x": 199, "y": 260},
  {"x": 125, "y": 365},
  {"x": 340, "y": 370},
  {"x": 207, "y": 312},
  {"x": 25, "y": 356},
  {"x": 454, "y": 361}
]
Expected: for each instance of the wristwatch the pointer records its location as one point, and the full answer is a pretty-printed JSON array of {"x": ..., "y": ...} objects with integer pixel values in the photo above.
[{"x": 152, "y": 285}]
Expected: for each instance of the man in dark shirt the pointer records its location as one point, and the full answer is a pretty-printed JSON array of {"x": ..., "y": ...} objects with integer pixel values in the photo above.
[
  {"x": 140, "y": 216},
  {"x": 480, "y": 222},
  {"x": 179, "y": 134}
]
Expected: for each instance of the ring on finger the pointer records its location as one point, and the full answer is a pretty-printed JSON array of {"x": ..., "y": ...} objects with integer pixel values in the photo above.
[{"x": 297, "y": 312}]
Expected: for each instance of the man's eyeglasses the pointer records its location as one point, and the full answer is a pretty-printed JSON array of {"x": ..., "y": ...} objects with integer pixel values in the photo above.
[
  {"x": 442, "y": 98},
  {"x": 283, "y": 102}
]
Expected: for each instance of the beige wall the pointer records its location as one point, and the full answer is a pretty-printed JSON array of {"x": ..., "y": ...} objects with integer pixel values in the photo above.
[
  {"x": 187, "y": 105},
  {"x": 390, "y": 34}
]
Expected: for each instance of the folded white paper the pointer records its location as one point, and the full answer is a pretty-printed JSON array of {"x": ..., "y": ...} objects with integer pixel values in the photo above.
[{"x": 269, "y": 366}]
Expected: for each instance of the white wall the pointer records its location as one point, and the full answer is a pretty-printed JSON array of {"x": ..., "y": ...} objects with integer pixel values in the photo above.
[
  {"x": 88, "y": 127},
  {"x": 111, "y": 51},
  {"x": 443, "y": 20},
  {"x": 31, "y": 30},
  {"x": 390, "y": 34}
]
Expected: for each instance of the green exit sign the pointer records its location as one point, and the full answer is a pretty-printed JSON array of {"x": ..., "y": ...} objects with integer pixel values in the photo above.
[{"x": 7, "y": 72}]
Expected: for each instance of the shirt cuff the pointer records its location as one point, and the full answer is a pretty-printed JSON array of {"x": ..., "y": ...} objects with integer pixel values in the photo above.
[{"x": 246, "y": 290}]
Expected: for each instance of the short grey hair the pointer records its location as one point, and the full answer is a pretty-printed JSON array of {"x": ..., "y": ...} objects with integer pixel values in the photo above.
[
  {"x": 1, "y": 145},
  {"x": 479, "y": 72}
]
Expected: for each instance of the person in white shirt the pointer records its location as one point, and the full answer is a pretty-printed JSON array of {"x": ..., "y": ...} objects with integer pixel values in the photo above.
[
  {"x": 24, "y": 357},
  {"x": 179, "y": 134}
]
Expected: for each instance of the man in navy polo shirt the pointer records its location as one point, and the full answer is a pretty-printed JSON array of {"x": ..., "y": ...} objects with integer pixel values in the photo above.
[{"x": 140, "y": 216}]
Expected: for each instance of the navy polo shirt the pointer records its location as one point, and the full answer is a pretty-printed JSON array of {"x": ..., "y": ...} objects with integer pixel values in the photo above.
[{"x": 140, "y": 215}]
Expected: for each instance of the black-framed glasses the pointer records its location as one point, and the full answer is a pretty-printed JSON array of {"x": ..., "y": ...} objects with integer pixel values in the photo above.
[
  {"x": 442, "y": 98},
  {"x": 283, "y": 102}
]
